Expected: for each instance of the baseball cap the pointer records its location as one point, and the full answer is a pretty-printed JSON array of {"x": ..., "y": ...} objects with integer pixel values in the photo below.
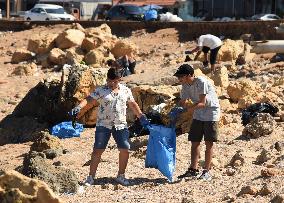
[
  {"x": 184, "y": 69},
  {"x": 113, "y": 73}
]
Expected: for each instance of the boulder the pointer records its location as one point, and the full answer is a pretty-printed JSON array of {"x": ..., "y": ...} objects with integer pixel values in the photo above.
[
  {"x": 261, "y": 125},
  {"x": 52, "y": 99},
  {"x": 60, "y": 179},
  {"x": 239, "y": 89},
  {"x": 230, "y": 50},
  {"x": 15, "y": 187},
  {"x": 20, "y": 129},
  {"x": 42, "y": 44},
  {"x": 74, "y": 55},
  {"x": 21, "y": 55},
  {"x": 57, "y": 56},
  {"x": 46, "y": 141},
  {"x": 124, "y": 47},
  {"x": 220, "y": 77},
  {"x": 89, "y": 43},
  {"x": 25, "y": 69},
  {"x": 95, "y": 57},
  {"x": 69, "y": 38}
]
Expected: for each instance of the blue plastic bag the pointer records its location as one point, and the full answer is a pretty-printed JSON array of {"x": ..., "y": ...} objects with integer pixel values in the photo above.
[
  {"x": 161, "y": 150},
  {"x": 66, "y": 130}
]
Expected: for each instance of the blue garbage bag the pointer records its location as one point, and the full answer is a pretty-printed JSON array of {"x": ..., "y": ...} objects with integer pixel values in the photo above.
[
  {"x": 66, "y": 130},
  {"x": 161, "y": 150}
]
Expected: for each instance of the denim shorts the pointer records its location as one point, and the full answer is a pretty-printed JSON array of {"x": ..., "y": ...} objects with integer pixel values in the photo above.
[{"x": 103, "y": 134}]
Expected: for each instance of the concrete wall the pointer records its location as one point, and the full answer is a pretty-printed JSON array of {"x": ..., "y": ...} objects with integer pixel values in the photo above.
[{"x": 187, "y": 30}]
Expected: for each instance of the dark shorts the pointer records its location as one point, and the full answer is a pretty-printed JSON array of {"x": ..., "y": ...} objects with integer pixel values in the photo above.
[
  {"x": 208, "y": 129},
  {"x": 103, "y": 134},
  {"x": 213, "y": 53}
]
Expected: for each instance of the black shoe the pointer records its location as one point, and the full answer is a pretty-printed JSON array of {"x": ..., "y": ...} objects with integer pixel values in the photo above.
[{"x": 189, "y": 173}]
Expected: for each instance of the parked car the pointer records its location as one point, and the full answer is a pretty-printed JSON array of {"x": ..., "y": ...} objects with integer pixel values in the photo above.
[
  {"x": 125, "y": 12},
  {"x": 41, "y": 12},
  {"x": 265, "y": 17}
]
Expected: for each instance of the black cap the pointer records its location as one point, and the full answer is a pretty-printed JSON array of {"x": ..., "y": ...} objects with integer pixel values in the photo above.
[
  {"x": 184, "y": 69},
  {"x": 113, "y": 73}
]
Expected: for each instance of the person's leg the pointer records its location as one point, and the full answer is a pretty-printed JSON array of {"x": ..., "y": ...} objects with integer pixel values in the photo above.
[
  {"x": 123, "y": 160},
  {"x": 95, "y": 160},
  {"x": 213, "y": 58},
  {"x": 205, "y": 51},
  {"x": 195, "y": 154},
  {"x": 121, "y": 138},
  {"x": 195, "y": 136},
  {"x": 210, "y": 136},
  {"x": 208, "y": 154},
  {"x": 102, "y": 137}
]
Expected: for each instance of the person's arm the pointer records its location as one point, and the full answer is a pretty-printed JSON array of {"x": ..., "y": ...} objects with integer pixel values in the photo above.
[
  {"x": 88, "y": 101},
  {"x": 197, "y": 55},
  {"x": 135, "y": 108},
  {"x": 200, "y": 104}
]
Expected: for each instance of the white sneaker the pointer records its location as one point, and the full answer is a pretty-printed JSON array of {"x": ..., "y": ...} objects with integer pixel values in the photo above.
[
  {"x": 122, "y": 180},
  {"x": 89, "y": 181}
]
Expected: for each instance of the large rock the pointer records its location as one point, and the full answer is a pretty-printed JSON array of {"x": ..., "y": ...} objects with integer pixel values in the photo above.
[
  {"x": 123, "y": 47},
  {"x": 69, "y": 38},
  {"x": 239, "y": 89},
  {"x": 261, "y": 125},
  {"x": 60, "y": 179},
  {"x": 57, "y": 56},
  {"x": 147, "y": 96},
  {"x": 230, "y": 50},
  {"x": 74, "y": 55},
  {"x": 21, "y": 55},
  {"x": 15, "y": 187},
  {"x": 53, "y": 98},
  {"x": 101, "y": 37},
  {"x": 94, "y": 57},
  {"x": 25, "y": 69},
  {"x": 45, "y": 141},
  {"x": 220, "y": 77},
  {"x": 41, "y": 44},
  {"x": 20, "y": 129}
]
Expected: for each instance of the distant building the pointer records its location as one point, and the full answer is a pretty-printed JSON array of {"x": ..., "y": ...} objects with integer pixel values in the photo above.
[{"x": 230, "y": 8}]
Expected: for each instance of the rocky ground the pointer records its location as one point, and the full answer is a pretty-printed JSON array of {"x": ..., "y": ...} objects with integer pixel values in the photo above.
[{"x": 244, "y": 169}]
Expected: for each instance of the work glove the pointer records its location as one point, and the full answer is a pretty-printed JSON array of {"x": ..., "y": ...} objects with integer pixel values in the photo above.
[
  {"x": 174, "y": 113},
  {"x": 187, "y": 52},
  {"x": 144, "y": 121},
  {"x": 75, "y": 111}
]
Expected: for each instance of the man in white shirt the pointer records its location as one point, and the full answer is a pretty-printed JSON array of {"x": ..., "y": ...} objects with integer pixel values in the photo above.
[
  {"x": 112, "y": 98},
  {"x": 204, "y": 44}
]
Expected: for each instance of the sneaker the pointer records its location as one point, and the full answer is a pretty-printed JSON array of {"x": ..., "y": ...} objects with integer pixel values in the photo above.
[
  {"x": 190, "y": 173},
  {"x": 89, "y": 181},
  {"x": 205, "y": 175},
  {"x": 122, "y": 180}
]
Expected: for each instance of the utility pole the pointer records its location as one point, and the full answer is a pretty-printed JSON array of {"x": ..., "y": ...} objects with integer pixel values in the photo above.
[{"x": 8, "y": 9}]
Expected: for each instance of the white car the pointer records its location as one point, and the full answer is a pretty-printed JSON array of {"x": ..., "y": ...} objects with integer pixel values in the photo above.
[
  {"x": 265, "y": 17},
  {"x": 41, "y": 12}
]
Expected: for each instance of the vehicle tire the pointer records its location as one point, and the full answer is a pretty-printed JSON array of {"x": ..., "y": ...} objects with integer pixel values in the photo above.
[{"x": 47, "y": 19}]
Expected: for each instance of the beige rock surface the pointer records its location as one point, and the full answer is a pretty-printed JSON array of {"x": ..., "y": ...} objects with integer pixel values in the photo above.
[{"x": 15, "y": 187}]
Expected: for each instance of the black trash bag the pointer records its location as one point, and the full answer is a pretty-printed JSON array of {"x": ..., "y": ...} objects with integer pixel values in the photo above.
[
  {"x": 254, "y": 109},
  {"x": 136, "y": 129}
]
